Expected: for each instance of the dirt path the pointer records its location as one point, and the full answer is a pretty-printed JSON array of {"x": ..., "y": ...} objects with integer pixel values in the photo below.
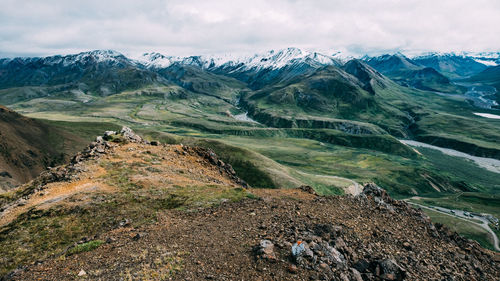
[
  {"x": 353, "y": 189},
  {"x": 57, "y": 192}
]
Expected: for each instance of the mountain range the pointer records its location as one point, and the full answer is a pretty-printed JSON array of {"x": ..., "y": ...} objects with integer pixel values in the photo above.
[{"x": 427, "y": 72}]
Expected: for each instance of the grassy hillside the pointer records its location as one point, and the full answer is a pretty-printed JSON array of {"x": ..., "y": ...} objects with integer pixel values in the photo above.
[{"x": 28, "y": 146}]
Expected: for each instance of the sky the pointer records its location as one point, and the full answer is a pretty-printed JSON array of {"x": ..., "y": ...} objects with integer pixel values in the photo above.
[{"x": 201, "y": 27}]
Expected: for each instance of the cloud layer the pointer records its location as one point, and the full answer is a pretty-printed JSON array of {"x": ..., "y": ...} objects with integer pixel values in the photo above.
[{"x": 187, "y": 27}]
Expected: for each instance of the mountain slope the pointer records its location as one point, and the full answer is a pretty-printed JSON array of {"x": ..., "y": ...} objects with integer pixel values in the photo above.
[
  {"x": 98, "y": 72},
  {"x": 197, "y": 80},
  {"x": 28, "y": 146},
  {"x": 130, "y": 208},
  {"x": 391, "y": 63},
  {"x": 489, "y": 76},
  {"x": 369, "y": 77},
  {"x": 451, "y": 65},
  {"x": 329, "y": 92},
  {"x": 410, "y": 73}
]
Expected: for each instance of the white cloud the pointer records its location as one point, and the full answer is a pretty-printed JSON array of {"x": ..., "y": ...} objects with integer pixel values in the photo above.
[{"x": 185, "y": 27}]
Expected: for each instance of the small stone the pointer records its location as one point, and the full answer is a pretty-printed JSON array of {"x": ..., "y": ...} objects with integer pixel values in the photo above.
[
  {"x": 356, "y": 275},
  {"x": 266, "y": 250},
  {"x": 362, "y": 266},
  {"x": 344, "y": 277},
  {"x": 124, "y": 222},
  {"x": 339, "y": 243},
  {"x": 293, "y": 268},
  {"x": 82, "y": 273}
]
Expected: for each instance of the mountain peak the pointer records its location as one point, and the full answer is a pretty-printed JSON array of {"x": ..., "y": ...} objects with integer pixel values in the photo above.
[
  {"x": 155, "y": 60},
  {"x": 391, "y": 62},
  {"x": 100, "y": 55}
]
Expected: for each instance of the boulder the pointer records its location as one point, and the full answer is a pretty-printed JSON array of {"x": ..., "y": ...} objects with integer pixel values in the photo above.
[
  {"x": 379, "y": 194},
  {"x": 388, "y": 269},
  {"x": 129, "y": 135}
]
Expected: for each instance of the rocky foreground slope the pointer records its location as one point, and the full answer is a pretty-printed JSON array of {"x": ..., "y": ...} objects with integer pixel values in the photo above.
[{"x": 129, "y": 209}]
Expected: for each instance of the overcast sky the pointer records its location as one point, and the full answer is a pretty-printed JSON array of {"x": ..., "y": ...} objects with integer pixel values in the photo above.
[{"x": 188, "y": 27}]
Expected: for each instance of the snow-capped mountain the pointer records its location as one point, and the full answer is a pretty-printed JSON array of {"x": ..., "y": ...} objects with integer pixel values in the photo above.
[
  {"x": 276, "y": 59},
  {"x": 256, "y": 69},
  {"x": 104, "y": 71},
  {"x": 156, "y": 60},
  {"x": 96, "y": 56},
  {"x": 272, "y": 60}
]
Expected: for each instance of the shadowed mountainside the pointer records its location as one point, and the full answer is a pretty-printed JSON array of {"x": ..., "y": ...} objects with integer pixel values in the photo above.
[{"x": 28, "y": 146}]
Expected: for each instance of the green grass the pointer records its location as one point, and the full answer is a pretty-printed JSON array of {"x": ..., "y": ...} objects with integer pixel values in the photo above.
[
  {"x": 86, "y": 130},
  {"x": 462, "y": 171},
  {"x": 85, "y": 247},
  {"x": 397, "y": 174},
  {"x": 361, "y": 158},
  {"x": 467, "y": 201},
  {"x": 463, "y": 227}
]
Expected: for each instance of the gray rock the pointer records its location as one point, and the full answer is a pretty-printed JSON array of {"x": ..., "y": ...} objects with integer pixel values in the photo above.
[
  {"x": 333, "y": 255},
  {"x": 266, "y": 250},
  {"x": 388, "y": 269},
  {"x": 129, "y": 135},
  {"x": 107, "y": 135},
  {"x": 356, "y": 275}
]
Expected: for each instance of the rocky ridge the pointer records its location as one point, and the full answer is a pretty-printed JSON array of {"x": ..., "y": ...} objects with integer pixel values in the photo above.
[{"x": 289, "y": 234}]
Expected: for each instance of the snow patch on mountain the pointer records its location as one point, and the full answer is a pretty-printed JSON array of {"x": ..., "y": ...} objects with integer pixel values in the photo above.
[
  {"x": 487, "y": 62},
  {"x": 155, "y": 60}
]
